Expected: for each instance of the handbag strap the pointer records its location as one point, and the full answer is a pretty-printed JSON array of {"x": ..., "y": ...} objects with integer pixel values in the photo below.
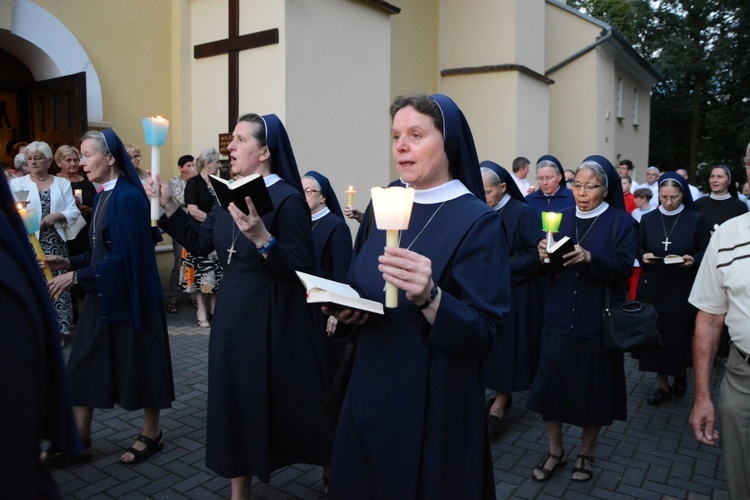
[{"x": 612, "y": 246}]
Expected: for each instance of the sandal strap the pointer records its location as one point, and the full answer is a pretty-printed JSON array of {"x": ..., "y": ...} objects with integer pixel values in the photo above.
[{"x": 149, "y": 442}]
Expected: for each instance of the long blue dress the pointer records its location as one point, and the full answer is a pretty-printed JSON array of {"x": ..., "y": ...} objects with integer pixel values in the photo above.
[
  {"x": 513, "y": 362},
  {"x": 667, "y": 287},
  {"x": 413, "y": 419},
  {"x": 578, "y": 382},
  {"x": 265, "y": 384},
  {"x": 332, "y": 242}
]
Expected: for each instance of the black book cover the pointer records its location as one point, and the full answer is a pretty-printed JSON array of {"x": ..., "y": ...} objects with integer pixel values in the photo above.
[
  {"x": 562, "y": 247},
  {"x": 252, "y": 186}
]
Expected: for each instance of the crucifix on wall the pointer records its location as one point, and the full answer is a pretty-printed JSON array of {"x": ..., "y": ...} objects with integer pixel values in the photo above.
[{"x": 232, "y": 45}]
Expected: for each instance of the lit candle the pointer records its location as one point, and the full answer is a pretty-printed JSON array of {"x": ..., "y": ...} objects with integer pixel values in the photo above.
[
  {"x": 551, "y": 224},
  {"x": 155, "y": 132},
  {"x": 78, "y": 193},
  {"x": 392, "y": 208},
  {"x": 31, "y": 222},
  {"x": 350, "y": 200}
]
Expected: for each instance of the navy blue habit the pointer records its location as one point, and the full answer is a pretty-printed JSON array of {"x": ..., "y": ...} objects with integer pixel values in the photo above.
[
  {"x": 413, "y": 419},
  {"x": 562, "y": 198}
]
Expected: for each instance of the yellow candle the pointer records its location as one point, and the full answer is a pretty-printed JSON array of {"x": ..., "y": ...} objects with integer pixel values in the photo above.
[
  {"x": 391, "y": 292},
  {"x": 78, "y": 193},
  {"x": 32, "y": 225},
  {"x": 350, "y": 192}
]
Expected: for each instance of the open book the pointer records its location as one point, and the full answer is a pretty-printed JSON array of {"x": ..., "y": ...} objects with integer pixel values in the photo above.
[
  {"x": 561, "y": 247},
  {"x": 670, "y": 259},
  {"x": 252, "y": 186},
  {"x": 339, "y": 295}
]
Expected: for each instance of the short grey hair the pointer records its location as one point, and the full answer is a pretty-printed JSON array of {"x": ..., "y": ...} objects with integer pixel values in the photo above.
[
  {"x": 598, "y": 170},
  {"x": 40, "y": 147},
  {"x": 207, "y": 156},
  {"x": 19, "y": 161},
  {"x": 653, "y": 169},
  {"x": 490, "y": 176},
  {"x": 547, "y": 163}
]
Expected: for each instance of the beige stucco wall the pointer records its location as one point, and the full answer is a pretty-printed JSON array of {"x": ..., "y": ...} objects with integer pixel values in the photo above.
[
  {"x": 129, "y": 44},
  {"x": 338, "y": 93},
  {"x": 414, "y": 42},
  {"x": 631, "y": 141}
]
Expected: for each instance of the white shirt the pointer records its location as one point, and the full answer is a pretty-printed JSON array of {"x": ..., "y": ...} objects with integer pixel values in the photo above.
[
  {"x": 638, "y": 213},
  {"x": 654, "y": 201},
  {"x": 523, "y": 185}
]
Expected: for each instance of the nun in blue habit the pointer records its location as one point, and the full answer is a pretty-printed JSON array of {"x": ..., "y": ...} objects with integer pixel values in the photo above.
[
  {"x": 578, "y": 382},
  {"x": 121, "y": 352},
  {"x": 557, "y": 197},
  {"x": 332, "y": 242},
  {"x": 34, "y": 388},
  {"x": 265, "y": 380},
  {"x": 413, "y": 419},
  {"x": 513, "y": 362}
]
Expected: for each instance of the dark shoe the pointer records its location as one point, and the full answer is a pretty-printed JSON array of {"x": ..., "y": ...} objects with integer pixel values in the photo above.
[
  {"x": 659, "y": 397},
  {"x": 60, "y": 459},
  {"x": 152, "y": 446},
  {"x": 547, "y": 473},
  {"x": 172, "y": 308},
  {"x": 494, "y": 426},
  {"x": 583, "y": 470},
  {"x": 680, "y": 386}
]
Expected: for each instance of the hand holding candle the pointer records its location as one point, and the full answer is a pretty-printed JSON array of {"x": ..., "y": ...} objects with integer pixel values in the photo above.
[
  {"x": 551, "y": 225},
  {"x": 155, "y": 132},
  {"x": 350, "y": 199},
  {"x": 78, "y": 195},
  {"x": 31, "y": 222},
  {"x": 392, "y": 208}
]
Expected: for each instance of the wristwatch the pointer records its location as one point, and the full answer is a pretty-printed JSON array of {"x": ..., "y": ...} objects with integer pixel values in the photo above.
[{"x": 267, "y": 245}]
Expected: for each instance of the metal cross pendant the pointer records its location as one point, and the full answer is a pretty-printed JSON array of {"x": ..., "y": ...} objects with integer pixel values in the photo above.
[
  {"x": 230, "y": 252},
  {"x": 667, "y": 243}
]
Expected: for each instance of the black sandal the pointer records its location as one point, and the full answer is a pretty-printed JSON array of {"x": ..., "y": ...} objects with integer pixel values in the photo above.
[
  {"x": 172, "y": 308},
  {"x": 61, "y": 459},
  {"x": 582, "y": 470},
  {"x": 152, "y": 446},
  {"x": 547, "y": 473}
]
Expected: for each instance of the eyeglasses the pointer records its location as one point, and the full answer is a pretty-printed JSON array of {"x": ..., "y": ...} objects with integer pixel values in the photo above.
[
  {"x": 546, "y": 179},
  {"x": 37, "y": 158},
  {"x": 136, "y": 157},
  {"x": 310, "y": 191},
  {"x": 586, "y": 187}
]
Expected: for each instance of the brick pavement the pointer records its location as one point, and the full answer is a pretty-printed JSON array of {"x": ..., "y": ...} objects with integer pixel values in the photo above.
[{"x": 651, "y": 456}]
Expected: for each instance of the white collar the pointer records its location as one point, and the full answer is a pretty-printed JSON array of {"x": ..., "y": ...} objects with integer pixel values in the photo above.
[
  {"x": 448, "y": 191},
  {"x": 673, "y": 212},
  {"x": 720, "y": 198},
  {"x": 319, "y": 215},
  {"x": 109, "y": 185},
  {"x": 592, "y": 213},
  {"x": 271, "y": 179},
  {"x": 504, "y": 201}
]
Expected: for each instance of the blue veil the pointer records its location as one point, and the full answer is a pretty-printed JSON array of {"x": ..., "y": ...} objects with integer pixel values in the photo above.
[
  {"x": 327, "y": 191},
  {"x": 459, "y": 145},
  {"x": 557, "y": 164},
  {"x": 614, "y": 195},
  {"x": 282, "y": 156},
  {"x": 687, "y": 198},
  {"x": 511, "y": 187}
]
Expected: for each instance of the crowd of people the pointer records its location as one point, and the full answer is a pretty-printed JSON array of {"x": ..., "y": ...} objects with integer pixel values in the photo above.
[{"x": 480, "y": 306}]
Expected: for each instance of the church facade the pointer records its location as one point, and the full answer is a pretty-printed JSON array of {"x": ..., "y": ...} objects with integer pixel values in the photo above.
[{"x": 532, "y": 76}]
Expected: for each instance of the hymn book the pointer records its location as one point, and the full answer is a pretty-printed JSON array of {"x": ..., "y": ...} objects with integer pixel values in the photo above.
[
  {"x": 670, "y": 259},
  {"x": 253, "y": 186},
  {"x": 561, "y": 247},
  {"x": 336, "y": 295}
]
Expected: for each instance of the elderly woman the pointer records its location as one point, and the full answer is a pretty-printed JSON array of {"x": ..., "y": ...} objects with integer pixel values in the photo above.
[
  {"x": 676, "y": 228},
  {"x": 413, "y": 419},
  {"x": 332, "y": 241},
  {"x": 200, "y": 275},
  {"x": 552, "y": 195},
  {"x": 513, "y": 362},
  {"x": 263, "y": 343},
  {"x": 121, "y": 353},
  {"x": 68, "y": 159},
  {"x": 578, "y": 382},
  {"x": 134, "y": 153},
  {"x": 52, "y": 199}
]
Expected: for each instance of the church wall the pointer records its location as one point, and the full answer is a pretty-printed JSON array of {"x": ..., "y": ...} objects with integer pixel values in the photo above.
[
  {"x": 528, "y": 25},
  {"x": 338, "y": 93},
  {"x": 631, "y": 141},
  {"x": 414, "y": 48},
  {"x": 566, "y": 34},
  {"x": 481, "y": 33},
  {"x": 129, "y": 44},
  {"x": 533, "y": 121}
]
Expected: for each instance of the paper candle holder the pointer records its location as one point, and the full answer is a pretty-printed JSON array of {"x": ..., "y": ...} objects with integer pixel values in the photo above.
[
  {"x": 155, "y": 130},
  {"x": 392, "y": 207}
]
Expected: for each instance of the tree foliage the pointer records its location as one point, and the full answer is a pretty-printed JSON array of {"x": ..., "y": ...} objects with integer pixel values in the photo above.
[{"x": 700, "y": 109}]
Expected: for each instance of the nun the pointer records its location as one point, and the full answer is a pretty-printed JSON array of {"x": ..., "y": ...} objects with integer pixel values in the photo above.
[
  {"x": 413, "y": 419},
  {"x": 552, "y": 195},
  {"x": 263, "y": 346},
  {"x": 513, "y": 362}
]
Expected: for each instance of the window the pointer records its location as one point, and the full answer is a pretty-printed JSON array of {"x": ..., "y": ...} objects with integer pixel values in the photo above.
[
  {"x": 635, "y": 107},
  {"x": 619, "y": 98}
]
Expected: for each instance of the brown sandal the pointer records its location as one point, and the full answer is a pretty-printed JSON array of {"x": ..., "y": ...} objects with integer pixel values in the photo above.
[
  {"x": 583, "y": 470},
  {"x": 547, "y": 473}
]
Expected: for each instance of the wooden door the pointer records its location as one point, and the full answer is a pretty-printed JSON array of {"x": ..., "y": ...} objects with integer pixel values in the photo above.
[{"x": 57, "y": 110}]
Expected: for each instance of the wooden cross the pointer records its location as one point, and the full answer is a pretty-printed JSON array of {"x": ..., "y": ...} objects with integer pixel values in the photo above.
[{"x": 232, "y": 47}]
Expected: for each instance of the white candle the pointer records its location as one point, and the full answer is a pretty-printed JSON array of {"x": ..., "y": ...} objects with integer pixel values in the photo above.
[
  {"x": 155, "y": 132},
  {"x": 78, "y": 194},
  {"x": 350, "y": 199}
]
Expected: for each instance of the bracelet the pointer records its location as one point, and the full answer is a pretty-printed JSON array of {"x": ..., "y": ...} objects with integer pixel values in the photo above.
[
  {"x": 267, "y": 245},
  {"x": 75, "y": 277},
  {"x": 433, "y": 295}
]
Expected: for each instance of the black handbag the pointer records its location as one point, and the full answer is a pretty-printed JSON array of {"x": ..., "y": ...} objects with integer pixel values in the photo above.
[{"x": 630, "y": 326}]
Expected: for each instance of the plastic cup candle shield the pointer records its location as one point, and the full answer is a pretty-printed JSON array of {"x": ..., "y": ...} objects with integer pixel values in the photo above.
[
  {"x": 155, "y": 132},
  {"x": 551, "y": 225},
  {"x": 392, "y": 208}
]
